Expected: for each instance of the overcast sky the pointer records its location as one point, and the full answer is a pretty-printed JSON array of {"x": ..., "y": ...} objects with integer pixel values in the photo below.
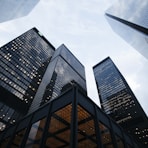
[{"x": 82, "y": 27}]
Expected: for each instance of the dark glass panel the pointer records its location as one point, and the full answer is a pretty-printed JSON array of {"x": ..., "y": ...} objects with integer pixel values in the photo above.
[
  {"x": 119, "y": 142},
  {"x": 86, "y": 129},
  {"x": 59, "y": 128},
  {"x": 105, "y": 136},
  {"x": 35, "y": 134},
  {"x": 18, "y": 138},
  {"x": 4, "y": 142}
]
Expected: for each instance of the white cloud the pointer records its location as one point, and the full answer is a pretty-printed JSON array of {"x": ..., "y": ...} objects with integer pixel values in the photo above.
[{"x": 81, "y": 26}]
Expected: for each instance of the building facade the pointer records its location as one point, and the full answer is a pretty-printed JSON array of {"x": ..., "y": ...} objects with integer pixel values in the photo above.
[
  {"x": 131, "y": 18},
  {"x": 63, "y": 69},
  {"x": 10, "y": 10},
  {"x": 23, "y": 62},
  {"x": 118, "y": 100},
  {"x": 32, "y": 72},
  {"x": 71, "y": 120}
]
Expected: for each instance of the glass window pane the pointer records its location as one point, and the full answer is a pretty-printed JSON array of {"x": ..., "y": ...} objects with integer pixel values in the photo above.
[
  {"x": 18, "y": 138},
  {"x": 105, "y": 136},
  {"x": 86, "y": 129},
  {"x": 119, "y": 142},
  {"x": 4, "y": 142},
  {"x": 59, "y": 128},
  {"x": 35, "y": 134}
]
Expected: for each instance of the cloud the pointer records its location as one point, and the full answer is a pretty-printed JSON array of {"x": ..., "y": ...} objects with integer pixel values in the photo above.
[{"x": 81, "y": 26}]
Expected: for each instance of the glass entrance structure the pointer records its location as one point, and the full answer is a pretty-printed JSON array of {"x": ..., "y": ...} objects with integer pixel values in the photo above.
[{"x": 71, "y": 120}]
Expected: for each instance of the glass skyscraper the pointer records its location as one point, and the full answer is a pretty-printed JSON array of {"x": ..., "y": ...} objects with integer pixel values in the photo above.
[
  {"x": 32, "y": 72},
  {"x": 118, "y": 100},
  {"x": 63, "y": 70},
  {"x": 129, "y": 20},
  {"x": 23, "y": 62},
  {"x": 12, "y": 9},
  {"x": 43, "y": 91}
]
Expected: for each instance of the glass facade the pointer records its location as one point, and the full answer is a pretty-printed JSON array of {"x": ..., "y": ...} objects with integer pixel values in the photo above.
[
  {"x": 63, "y": 71},
  {"x": 32, "y": 73},
  {"x": 71, "y": 120},
  {"x": 131, "y": 18},
  {"x": 14, "y": 9},
  {"x": 23, "y": 64},
  {"x": 117, "y": 99}
]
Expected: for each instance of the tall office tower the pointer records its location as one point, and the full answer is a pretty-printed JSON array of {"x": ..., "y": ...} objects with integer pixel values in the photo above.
[
  {"x": 23, "y": 63},
  {"x": 63, "y": 70},
  {"x": 12, "y": 9},
  {"x": 129, "y": 20},
  {"x": 118, "y": 100}
]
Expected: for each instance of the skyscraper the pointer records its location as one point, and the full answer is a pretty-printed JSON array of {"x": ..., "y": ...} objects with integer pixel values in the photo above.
[
  {"x": 23, "y": 62},
  {"x": 12, "y": 9},
  {"x": 63, "y": 69},
  {"x": 32, "y": 72},
  {"x": 118, "y": 100},
  {"x": 129, "y": 20}
]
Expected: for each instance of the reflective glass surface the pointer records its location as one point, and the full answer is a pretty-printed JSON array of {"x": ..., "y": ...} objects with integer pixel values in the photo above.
[
  {"x": 59, "y": 128},
  {"x": 22, "y": 66},
  {"x": 18, "y": 138},
  {"x": 105, "y": 136},
  {"x": 35, "y": 134},
  {"x": 5, "y": 142},
  {"x": 23, "y": 63},
  {"x": 71, "y": 59},
  {"x": 118, "y": 100},
  {"x": 132, "y": 10},
  {"x": 86, "y": 129},
  {"x": 63, "y": 76},
  {"x": 119, "y": 142},
  {"x": 15, "y": 9},
  {"x": 130, "y": 17}
]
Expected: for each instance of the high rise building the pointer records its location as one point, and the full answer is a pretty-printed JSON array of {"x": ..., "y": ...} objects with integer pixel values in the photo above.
[
  {"x": 118, "y": 100},
  {"x": 44, "y": 91},
  {"x": 63, "y": 69},
  {"x": 32, "y": 73},
  {"x": 12, "y": 9},
  {"x": 23, "y": 63},
  {"x": 129, "y": 20}
]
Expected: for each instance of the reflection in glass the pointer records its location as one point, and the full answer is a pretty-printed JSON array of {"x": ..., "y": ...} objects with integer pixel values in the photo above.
[
  {"x": 105, "y": 136},
  {"x": 35, "y": 134},
  {"x": 86, "y": 129},
  {"x": 4, "y": 142},
  {"x": 18, "y": 138},
  {"x": 59, "y": 128},
  {"x": 119, "y": 142}
]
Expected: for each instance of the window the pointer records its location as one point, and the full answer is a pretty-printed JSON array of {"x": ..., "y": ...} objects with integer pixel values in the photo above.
[
  {"x": 86, "y": 129},
  {"x": 119, "y": 142},
  {"x": 4, "y": 142},
  {"x": 35, "y": 134},
  {"x": 105, "y": 136},
  {"x": 18, "y": 138},
  {"x": 59, "y": 128}
]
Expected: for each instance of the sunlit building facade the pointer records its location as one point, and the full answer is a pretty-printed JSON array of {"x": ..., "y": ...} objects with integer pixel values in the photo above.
[
  {"x": 70, "y": 121},
  {"x": 129, "y": 20},
  {"x": 119, "y": 102}
]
